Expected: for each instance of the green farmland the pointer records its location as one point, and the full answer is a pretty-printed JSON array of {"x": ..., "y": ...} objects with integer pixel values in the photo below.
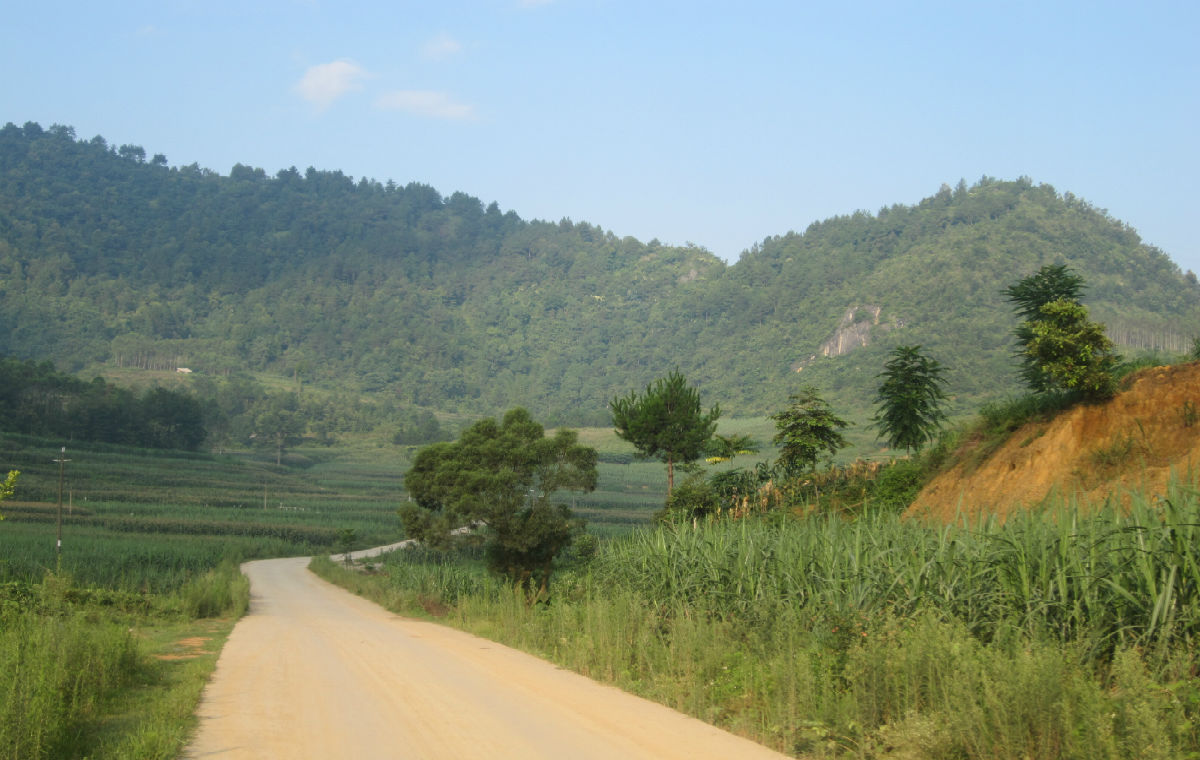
[{"x": 147, "y": 520}]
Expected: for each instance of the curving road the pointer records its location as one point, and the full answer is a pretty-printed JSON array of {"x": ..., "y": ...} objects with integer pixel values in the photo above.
[{"x": 313, "y": 671}]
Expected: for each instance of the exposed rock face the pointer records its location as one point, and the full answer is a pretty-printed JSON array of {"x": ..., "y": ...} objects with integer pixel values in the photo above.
[
  {"x": 1139, "y": 441},
  {"x": 854, "y": 331}
]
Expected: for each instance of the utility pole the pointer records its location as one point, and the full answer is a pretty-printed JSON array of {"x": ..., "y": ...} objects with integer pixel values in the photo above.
[{"x": 62, "y": 463}]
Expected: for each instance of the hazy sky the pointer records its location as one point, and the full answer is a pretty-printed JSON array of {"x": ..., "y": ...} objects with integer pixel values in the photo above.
[{"x": 712, "y": 123}]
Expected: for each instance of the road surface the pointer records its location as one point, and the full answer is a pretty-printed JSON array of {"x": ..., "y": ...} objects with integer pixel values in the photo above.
[{"x": 313, "y": 671}]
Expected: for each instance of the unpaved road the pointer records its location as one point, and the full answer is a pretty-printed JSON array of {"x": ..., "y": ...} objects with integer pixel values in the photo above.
[{"x": 313, "y": 671}]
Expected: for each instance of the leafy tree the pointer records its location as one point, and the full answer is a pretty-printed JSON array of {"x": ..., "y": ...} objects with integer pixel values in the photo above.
[
  {"x": 501, "y": 476},
  {"x": 1071, "y": 351},
  {"x": 805, "y": 429},
  {"x": 278, "y": 422},
  {"x": 1060, "y": 348},
  {"x": 8, "y": 486},
  {"x": 418, "y": 427},
  {"x": 1050, "y": 283},
  {"x": 173, "y": 420},
  {"x": 666, "y": 422},
  {"x": 723, "y": 448},
  {"x": 909, "y": 400}
]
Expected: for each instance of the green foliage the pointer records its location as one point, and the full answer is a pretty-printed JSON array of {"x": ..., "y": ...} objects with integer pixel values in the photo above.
[
  {"x": 73, "y": 656},
  {"x": 898, "y": 484},
  {"x": 134, "y": 266},
  {"x": 696, "y": 498},
  {"x": 806, "y": 429},
  {"x": 1035, "y": 572},
  {"x": 1050, "y": 283},
  {"x": 218, "y": 591},
  {"x": 278, "y": 423},
  {"x": 1071, "y": 352},
  {"x": 1001, "y": 417},
  {"x": 723, "y": 448},
  {"x": 666, "y": 422},
  {"x": 8, "y": 486},
  {"x": 150, "y": 520},
  {"x": 1060, "y": 348},
  {"x": 501, "y": 476},
  {"x": 57, "y": 668},
  {"x": 37, "y": 399},
  {"x": 883, "y": 637},
  {"x": 909, "y": 402},
  {"x": 345, "y": 542},
  {"x": 417, "y": 428}
]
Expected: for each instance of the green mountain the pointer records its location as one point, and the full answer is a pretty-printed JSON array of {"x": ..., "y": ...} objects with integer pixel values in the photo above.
[{"x": 110, "y": 259}]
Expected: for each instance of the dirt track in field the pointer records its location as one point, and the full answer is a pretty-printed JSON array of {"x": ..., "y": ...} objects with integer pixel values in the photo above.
[{"x": 313, "y": 671}]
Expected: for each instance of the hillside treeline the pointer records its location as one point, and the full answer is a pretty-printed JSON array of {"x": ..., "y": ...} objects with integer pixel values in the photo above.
[
  {"x": 36, "y": 399},
  {"x": 236, "y": 411},
  {"x": 440, "y": 302}
]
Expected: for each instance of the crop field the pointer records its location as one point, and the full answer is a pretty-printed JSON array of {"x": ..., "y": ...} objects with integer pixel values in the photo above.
[
  {"x": 147, "y": 520},
  {"x": 142, "y": 519}
]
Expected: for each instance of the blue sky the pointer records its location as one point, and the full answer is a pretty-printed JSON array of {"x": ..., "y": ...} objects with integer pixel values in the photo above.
[{"x": 712, "y": 123}]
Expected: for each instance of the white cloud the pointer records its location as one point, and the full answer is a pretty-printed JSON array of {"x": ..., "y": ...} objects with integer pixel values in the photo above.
[
  {"x": 438, "y": 105},
  {"x": 326, "y": 82},
  {"x": 441, "y": 47}
]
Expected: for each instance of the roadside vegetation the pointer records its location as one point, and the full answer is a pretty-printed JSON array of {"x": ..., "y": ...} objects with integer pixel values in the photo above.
[
  {"x": 104, "y": 652},
  {"x": 97, "y": 672},
  {"x": 1060, "y": 633},
  {"x": 791, "y": 602},
  {"x": 783, "y": 599}
]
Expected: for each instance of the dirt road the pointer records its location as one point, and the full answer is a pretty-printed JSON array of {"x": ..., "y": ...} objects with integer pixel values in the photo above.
[{"x": 315, "y": 672}]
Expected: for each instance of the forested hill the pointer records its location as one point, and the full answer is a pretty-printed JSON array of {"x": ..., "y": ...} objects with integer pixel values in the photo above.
[{"x": 108, "y": 257}]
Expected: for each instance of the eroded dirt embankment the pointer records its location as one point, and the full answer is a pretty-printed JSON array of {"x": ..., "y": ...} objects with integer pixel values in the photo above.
[{"x": 1137, "y": 441}]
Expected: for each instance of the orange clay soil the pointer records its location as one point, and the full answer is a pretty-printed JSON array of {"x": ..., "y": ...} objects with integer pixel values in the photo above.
[{"x": 1138, "y": 441}]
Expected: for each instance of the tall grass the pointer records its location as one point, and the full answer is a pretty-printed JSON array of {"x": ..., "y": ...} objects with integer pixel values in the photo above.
[
  {"x": 56, "y": 666},
  {"x": 1116, "y": 576},
  {"x": 1053, "y": 635},
  {"x": 66, "y": 650}
]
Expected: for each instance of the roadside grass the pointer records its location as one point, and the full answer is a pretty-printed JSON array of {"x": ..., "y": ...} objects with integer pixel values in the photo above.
[
  {"x": 95, "y": 672},
  {"x": 155, "y": 716},
  {"x": 150, "y": 545},
  {"x": 1061, "y": 634}
]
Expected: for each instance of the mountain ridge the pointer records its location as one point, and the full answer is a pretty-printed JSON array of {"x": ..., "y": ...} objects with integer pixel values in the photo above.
[{"x": 440, "y": 302}]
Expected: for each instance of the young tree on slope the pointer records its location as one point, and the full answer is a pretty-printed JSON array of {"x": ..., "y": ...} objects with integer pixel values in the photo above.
[
  {"x": 908, "y": 412},
  {"x": 805, "y": 429},
  {"x": 1050, "y": 283},
  {"x": 1061, "y": 349},
  {"x": 1072, "y": 352},
  {"x": 666, "y": 422}
]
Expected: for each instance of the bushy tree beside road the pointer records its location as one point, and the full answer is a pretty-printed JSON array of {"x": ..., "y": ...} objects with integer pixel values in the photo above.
[{"x": 500, "y": 477}]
